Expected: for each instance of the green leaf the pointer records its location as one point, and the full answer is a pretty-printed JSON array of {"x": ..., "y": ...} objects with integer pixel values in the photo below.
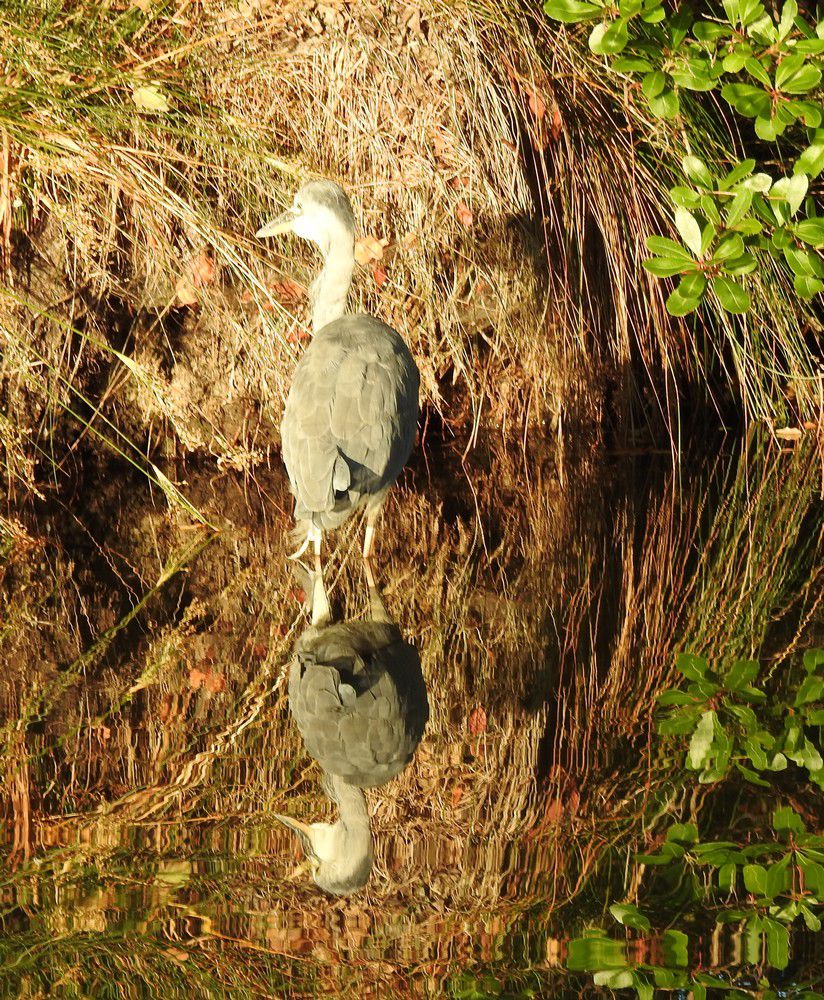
[
  {"x": 731, "y": 8},
  {"x": 694, "y": 74},
  {"x": 810, "y": 46},
  {"x": 653, "y": 16},
  {"x": 745, "y": 716},
  {"x": 730, "y": 247},
  {"x": 763, "y": 30},
  {"x": 805, "y": 80},
  {"x": 757, "y": 71},
  {"x": 701, "y": 741},
  {"x": 792, "y": 190},
  {"x": 692, "y": 285},
  {"x": 789, "y": 13},
  {"x": 685, "y": 196},
  {"x": 739, "y": 207},
  {"x": 776, "y": 878},
  {"x": 709, "y": 209},
  {"x": 813, "y": 875},
  {"x": 710, "y": 31},
  {"x": 703, "y": 688},
  {"x": 665, "y": 105},
  {"x": 726, "y": 877},
  {"x": 686, "y": 833},
  {"x": 812, "y": 922},
  {"x": 653, "y": 859},
  {"x": 734, "y": 62},
  {"x": 653, "y": 83},
  {"x": 571, "y": 11},
  {"x": 679, "y": 304},
  {"x": 631, "y": 64},
  {"x": 693, "y": 667},
  {"x": 667, "y": 248},
  {"x": 689, "y": 229},
  {"x": 697, "y": 171},
  {"x": 810, "y": 231},
  {"x": 807, "y": 287},
  {"x": 755, "y": 879},
  {"x": 593, "y": 952},
  {"x": 786, "y": 818},
  {"x": 608, "y": 38},
  {"x": 738, "y": 172},
  {"x": 665, "y": 267},
  {"x": 795, "y": 76},
  {"x": 804, "y": 263},
  {"x": 756, "y": 753},
  {"x": 752, "y": 694},
  {"x": 742, "y": 671},
  {"x": 629, "y": 916},
  {"x": 745, "y": 264},
  {"x": 758, "y": 182},
  {"x": 675, "y": 698},
  {"x": 812, "y": 660},
  {"x": 812, "y": 689},
  {"x": 778, "y": 943},
  {"x": 150, "y": 98},
  {"x": 618, "y": 980},
  {"x": 747, "y": 100},
  {"x": 678, "y": 724},
  {"x": 751, "y": 775},
  {"x": 769, "y": 128},
  {"x": 807, "y": 111},
  {"x": 731, "y": 295}
]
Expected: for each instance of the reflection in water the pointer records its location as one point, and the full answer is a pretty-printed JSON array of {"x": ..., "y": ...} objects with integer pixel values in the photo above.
[
  {"x": 143, "y": 772},
  {"x": 358, "y": 697}
]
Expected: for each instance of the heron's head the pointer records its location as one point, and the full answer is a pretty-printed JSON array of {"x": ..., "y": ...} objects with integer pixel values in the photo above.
[
  {"x": 340, "y": 857},
  {"x": 321, "y": 212}
]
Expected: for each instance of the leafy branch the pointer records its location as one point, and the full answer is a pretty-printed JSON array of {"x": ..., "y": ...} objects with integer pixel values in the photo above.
[{"x": 768, "y": 70}]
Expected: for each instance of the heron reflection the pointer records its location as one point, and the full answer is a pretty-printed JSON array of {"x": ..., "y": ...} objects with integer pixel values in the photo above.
[{"x": 358, "y": 697}]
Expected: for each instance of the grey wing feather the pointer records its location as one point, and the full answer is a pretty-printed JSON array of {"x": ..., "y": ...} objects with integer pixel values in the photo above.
[
  {"x": 350, "y": 418},
  {"x": 357, "y": 694}
]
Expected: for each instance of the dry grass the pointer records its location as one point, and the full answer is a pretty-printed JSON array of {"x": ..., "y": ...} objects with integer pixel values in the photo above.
[{"x": 492, "y": 179}]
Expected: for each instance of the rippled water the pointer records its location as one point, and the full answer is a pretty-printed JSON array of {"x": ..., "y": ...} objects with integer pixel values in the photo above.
[{"x": 147, "y": 753}]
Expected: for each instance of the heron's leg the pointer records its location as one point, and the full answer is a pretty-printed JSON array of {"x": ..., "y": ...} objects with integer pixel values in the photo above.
[
  {"x": 321, "y": 614},
  {"x": 377, "y": 609},
  {"x": 369, "y": 534},
  {"x": 313, "y": 534}
]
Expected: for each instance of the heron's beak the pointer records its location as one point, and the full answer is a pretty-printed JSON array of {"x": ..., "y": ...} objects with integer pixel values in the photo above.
[
  {"x": 303, "y": 831},
  {"x": 282, "y": 224}
]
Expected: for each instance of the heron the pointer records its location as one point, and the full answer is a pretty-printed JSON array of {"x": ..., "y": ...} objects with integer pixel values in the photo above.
[
  {"x": 352, "y": 409},
  {"x": 358, "y": 697}
]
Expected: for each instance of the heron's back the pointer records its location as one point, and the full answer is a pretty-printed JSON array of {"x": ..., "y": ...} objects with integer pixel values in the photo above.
[
  {"x": 350, "y": 418},
  {"x": 358, "y": 697}
]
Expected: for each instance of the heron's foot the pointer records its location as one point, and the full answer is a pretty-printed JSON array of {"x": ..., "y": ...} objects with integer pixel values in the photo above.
[
  {"x": 312, "y": 536},
  {"x": 299, "y": 552}
]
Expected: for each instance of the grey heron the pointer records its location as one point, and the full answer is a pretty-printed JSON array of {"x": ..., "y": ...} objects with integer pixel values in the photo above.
[
  {"x": 358, "y": 697},
  {"x": 352, "y": 409}
]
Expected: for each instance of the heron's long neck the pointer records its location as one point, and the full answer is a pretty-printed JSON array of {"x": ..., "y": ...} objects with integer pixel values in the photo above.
[
  {"x": 331, "y": 287},
  {"x": 351, "y": 801},
  {"x": 354, "y": 848}
]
